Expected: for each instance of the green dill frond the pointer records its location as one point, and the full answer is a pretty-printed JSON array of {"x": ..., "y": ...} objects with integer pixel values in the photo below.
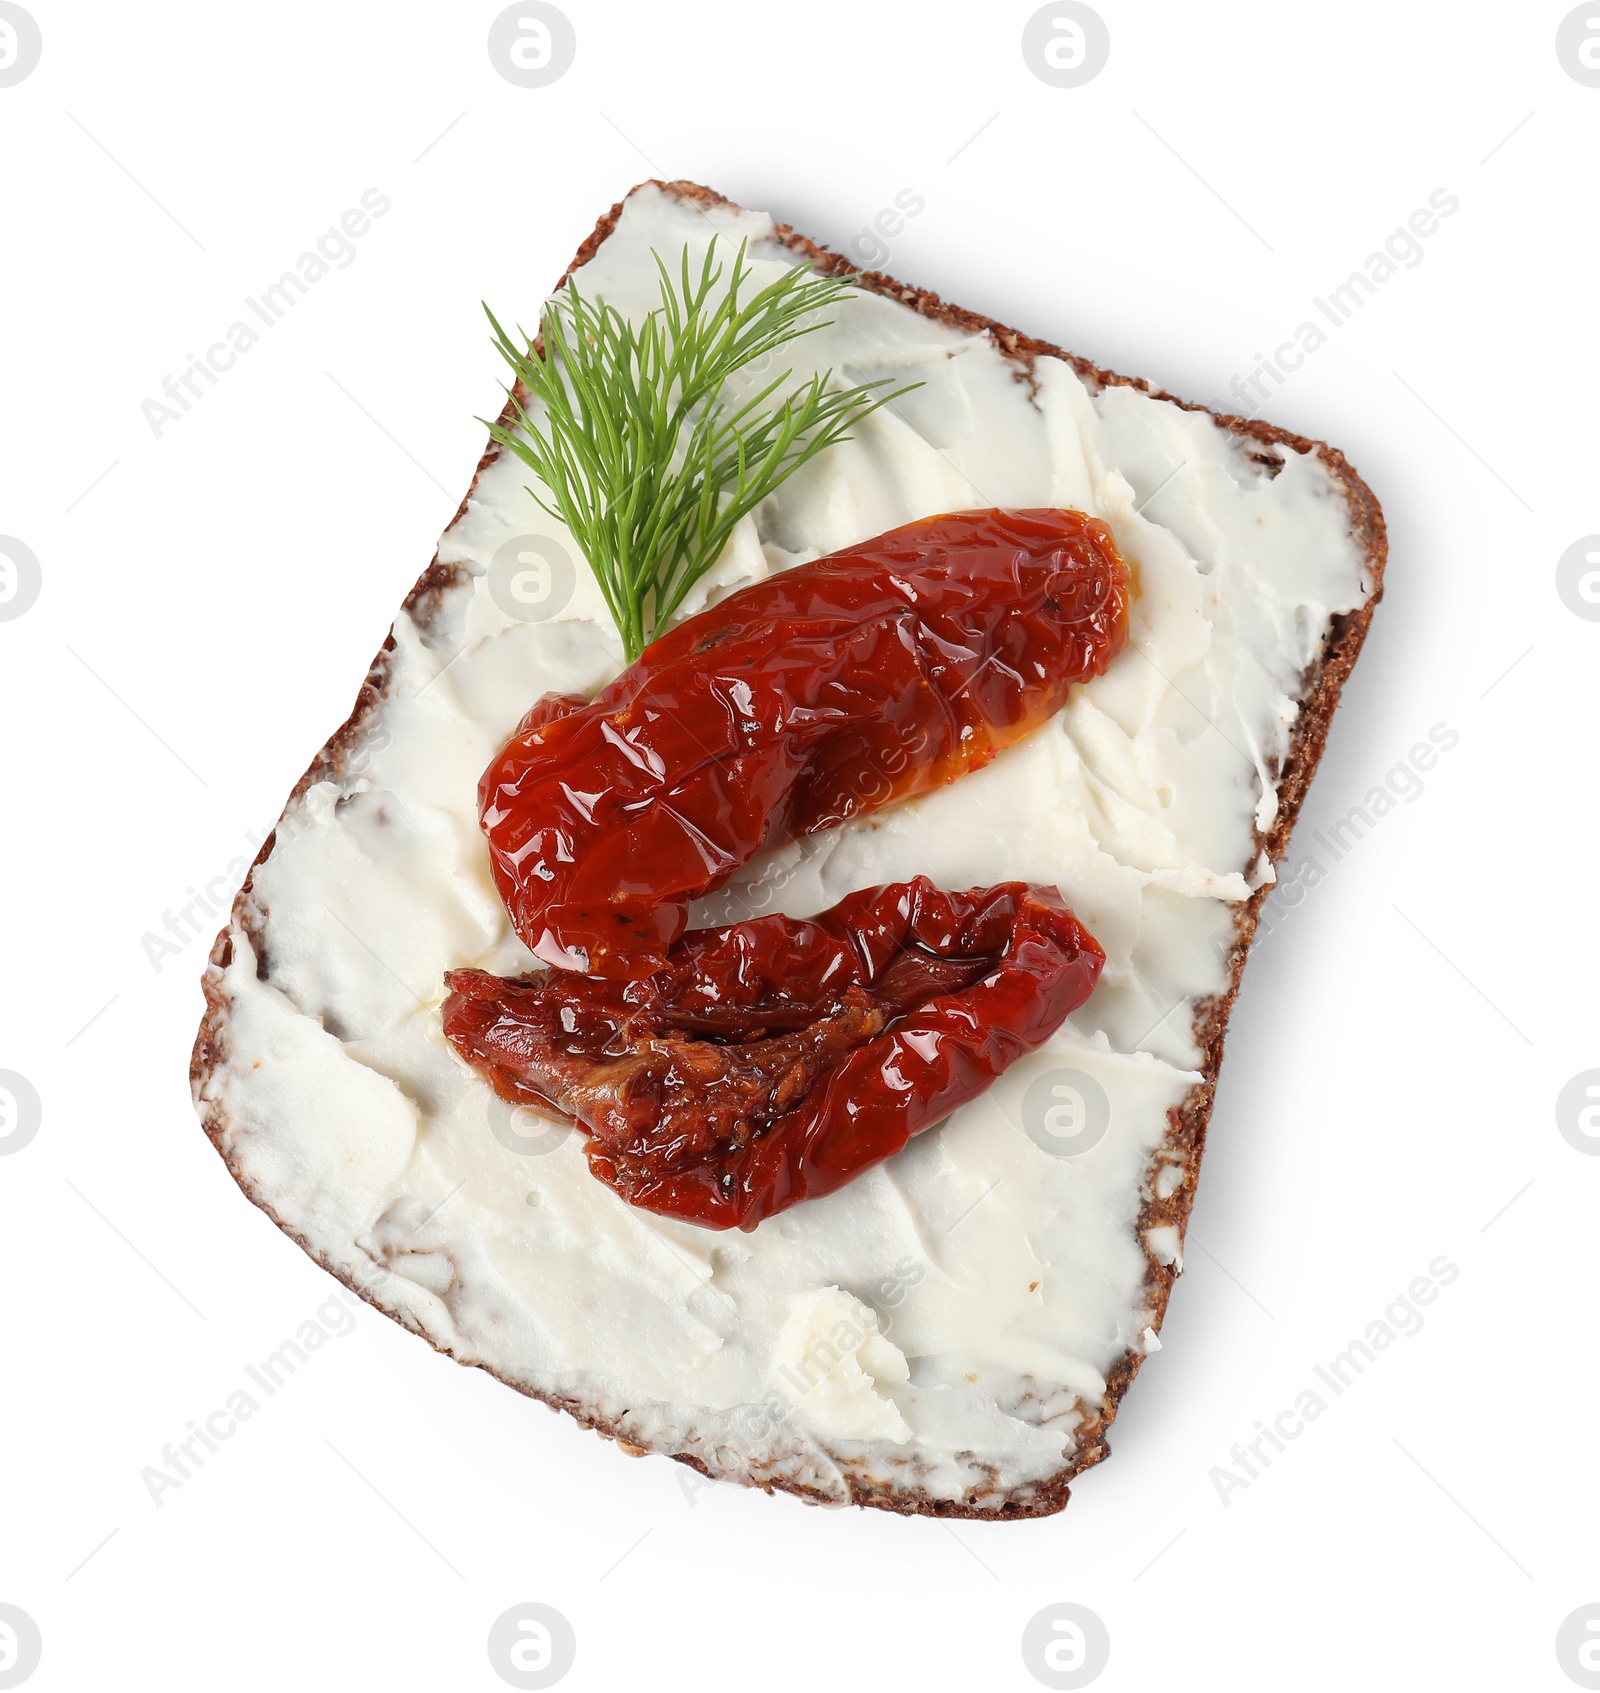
[{"x": 643, "y": 457}]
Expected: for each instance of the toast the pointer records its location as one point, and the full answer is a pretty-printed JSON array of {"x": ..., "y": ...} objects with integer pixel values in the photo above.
[{"x": 768, "y": 1362}]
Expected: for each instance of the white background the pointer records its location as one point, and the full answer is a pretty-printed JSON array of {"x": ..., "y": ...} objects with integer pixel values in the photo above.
[{"x": 208, "y": 609}]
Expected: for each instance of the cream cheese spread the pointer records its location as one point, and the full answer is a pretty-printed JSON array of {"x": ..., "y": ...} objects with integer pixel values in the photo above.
[{"x": 948, "y": 1320}]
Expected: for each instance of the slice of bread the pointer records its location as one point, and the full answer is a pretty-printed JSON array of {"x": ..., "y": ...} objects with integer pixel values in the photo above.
[{"x": 858, "y": 1349}]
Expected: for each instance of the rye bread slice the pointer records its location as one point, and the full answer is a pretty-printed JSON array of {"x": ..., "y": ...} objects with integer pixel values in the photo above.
[{"x": 1187, "y": 1122}]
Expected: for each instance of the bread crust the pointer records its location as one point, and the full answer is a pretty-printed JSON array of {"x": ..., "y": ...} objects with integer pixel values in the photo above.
[{"x": 1187, "y": 1122}]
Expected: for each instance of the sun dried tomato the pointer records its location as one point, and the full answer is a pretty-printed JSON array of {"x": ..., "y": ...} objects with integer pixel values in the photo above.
[
  {"x": 771, "y": 1061},
  {"x": 818, "y": 694},
  {"x": 724, "y": 1075}
]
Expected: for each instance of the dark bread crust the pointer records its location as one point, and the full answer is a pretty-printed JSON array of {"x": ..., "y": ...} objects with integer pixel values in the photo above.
[{"x": 1187, "y": 1132}]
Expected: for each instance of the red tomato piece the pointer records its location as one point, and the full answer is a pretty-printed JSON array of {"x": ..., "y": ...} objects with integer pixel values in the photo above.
[
  {"x": 814, "y": 696},
  {"x": 771, "y": 1061}
]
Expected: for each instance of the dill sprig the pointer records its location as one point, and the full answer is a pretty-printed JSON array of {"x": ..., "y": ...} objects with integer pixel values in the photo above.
[{"x": 645, "y": 460}]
